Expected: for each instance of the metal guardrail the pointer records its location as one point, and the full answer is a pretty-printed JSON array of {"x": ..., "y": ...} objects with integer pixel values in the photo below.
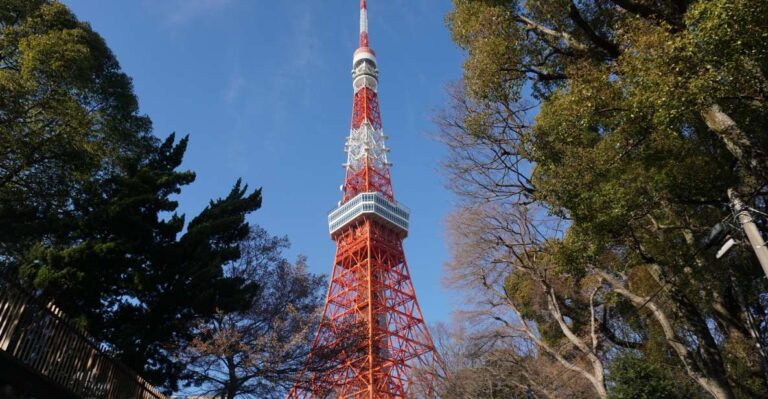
[{"x": 39, "y": 337}]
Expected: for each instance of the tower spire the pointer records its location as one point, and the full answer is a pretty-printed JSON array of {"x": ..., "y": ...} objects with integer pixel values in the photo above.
[{"x": 363, "y": 23}]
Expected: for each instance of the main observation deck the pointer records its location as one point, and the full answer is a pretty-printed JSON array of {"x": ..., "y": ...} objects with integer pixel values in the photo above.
[{"x": 375, "y": 205}]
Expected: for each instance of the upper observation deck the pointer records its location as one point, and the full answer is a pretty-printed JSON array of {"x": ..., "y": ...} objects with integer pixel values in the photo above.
[{"x": 372, "y": 204}]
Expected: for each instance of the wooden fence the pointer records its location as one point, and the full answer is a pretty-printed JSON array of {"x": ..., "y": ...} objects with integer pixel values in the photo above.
[{"x": 39, "y": 337}]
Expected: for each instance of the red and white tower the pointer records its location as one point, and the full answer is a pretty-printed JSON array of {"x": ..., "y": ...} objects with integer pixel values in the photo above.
[{"x": 371, "y": 321}]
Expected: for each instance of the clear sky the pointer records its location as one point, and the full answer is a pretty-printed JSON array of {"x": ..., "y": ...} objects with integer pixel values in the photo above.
[{"x": 263, "y": 88}]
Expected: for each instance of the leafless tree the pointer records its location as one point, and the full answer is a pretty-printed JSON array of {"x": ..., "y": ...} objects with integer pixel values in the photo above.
[
  {"x": 483, "y": 364},
  {"x": 260, "y": 351},
  {"x": 501, "y": 258}
]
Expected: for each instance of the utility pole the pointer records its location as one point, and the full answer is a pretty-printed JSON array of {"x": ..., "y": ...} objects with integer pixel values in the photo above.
[{"x": 750, "y": 229}]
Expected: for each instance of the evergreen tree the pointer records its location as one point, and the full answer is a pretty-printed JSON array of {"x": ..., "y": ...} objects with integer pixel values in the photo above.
[{"x": 635, "y": 377}]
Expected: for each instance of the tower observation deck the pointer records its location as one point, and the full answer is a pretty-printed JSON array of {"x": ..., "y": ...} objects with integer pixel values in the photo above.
[{"x": 372, "y": 341}]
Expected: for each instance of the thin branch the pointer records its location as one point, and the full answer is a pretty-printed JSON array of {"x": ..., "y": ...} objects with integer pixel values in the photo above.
[{"x": 647, "y": 12}]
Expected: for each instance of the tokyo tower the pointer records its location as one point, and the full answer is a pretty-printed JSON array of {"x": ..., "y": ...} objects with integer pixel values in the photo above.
[{"x": 371, "y": 322}]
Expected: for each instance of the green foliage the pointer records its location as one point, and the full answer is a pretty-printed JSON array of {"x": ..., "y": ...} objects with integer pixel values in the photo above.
[
  {"x": 68, "y": 113},
  {"x": 627, "y": 149},
  {"x": 87, "y": 197},
  {"x": 526, "y": 293},
  {"x": 128, "y": 277},
  {"x": 634, "y": 377}
]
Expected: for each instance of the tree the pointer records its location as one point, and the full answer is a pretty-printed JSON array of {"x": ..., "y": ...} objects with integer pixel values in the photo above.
[
  {"x": 68, "y": 113},
  {"x": 477, "y": 363},
  {"x": 503, "y": 258},
  {"x": 86, "y": 197},
  {"x": 259, "y": 352},
  {"x": 647, "y": 113}
]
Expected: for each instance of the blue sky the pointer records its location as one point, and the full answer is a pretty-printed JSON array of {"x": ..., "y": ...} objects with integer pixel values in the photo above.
[{"x": 263, "y": 88}]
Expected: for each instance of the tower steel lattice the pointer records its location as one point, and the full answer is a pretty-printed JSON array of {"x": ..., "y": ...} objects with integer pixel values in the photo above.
[{"x": 372, "y": 332}]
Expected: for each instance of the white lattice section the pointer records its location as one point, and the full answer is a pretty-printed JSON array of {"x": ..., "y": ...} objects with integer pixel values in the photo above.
[{"x": 366, "y": 143}]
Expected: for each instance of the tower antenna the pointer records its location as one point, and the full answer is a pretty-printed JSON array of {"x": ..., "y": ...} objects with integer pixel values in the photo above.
[{"x": 363, "y": 23}]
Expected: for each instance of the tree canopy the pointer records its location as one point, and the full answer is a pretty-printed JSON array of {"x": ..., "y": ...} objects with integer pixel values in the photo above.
[
  {"x": 87, "y": 197},
  {"x": 594, "y": 144}
]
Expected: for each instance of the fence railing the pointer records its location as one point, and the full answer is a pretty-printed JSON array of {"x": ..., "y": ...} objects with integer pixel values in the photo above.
[{"x": 39, "y": 336}]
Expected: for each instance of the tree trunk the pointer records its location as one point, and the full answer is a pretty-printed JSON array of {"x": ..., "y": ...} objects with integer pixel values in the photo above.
[
  {"x": 718, "y": 388},
  {"x": 705, "y": 372},
  {"x": 708, "y": 372},
  {"x": 232, "y": 383},
  {"x": 749, "y": 154},
  {"x": 597, "y": 376}
]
